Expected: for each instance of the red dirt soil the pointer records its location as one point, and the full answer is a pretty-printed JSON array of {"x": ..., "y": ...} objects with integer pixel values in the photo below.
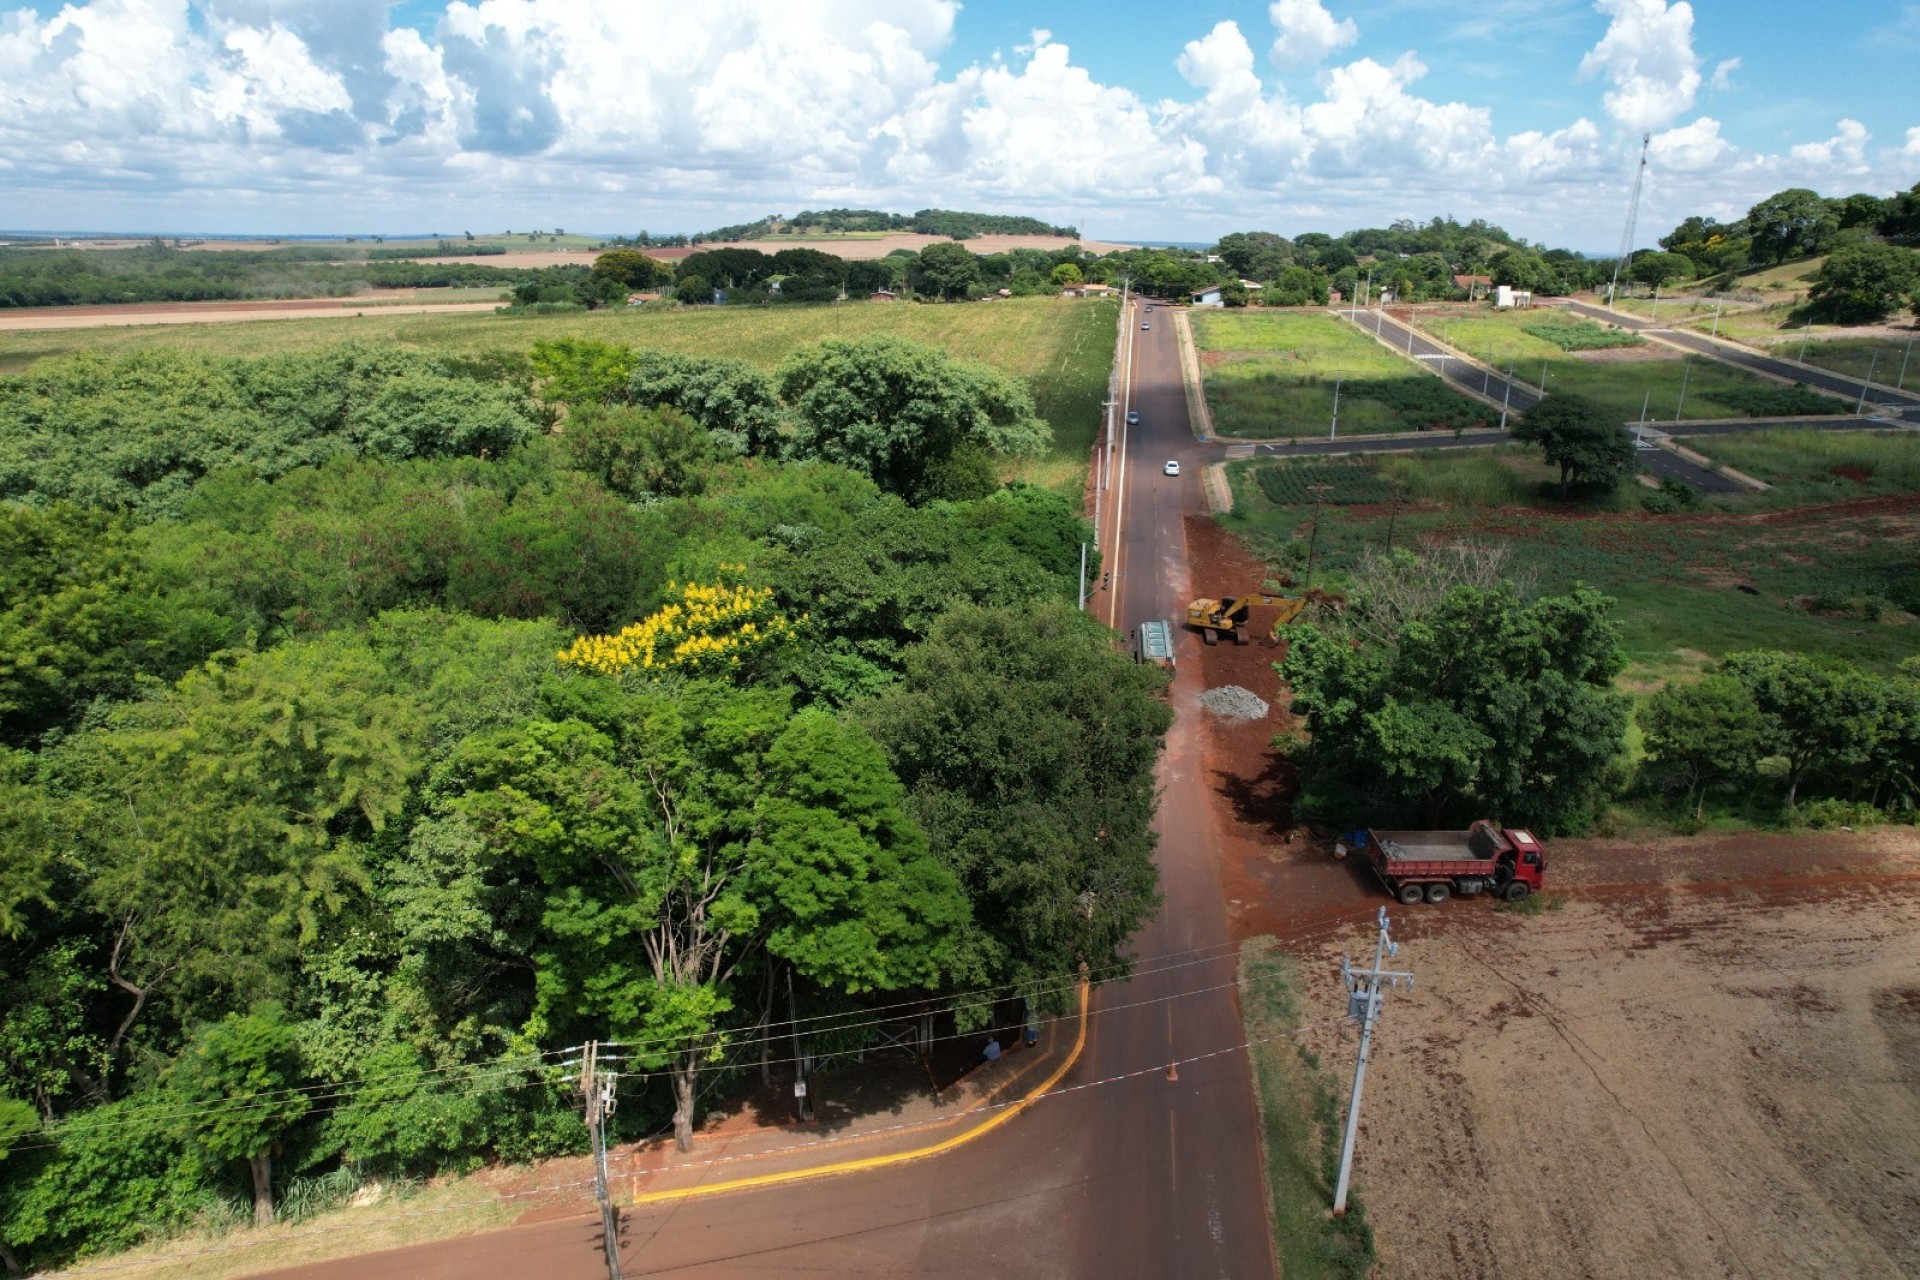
[{"x": 1280, "y": 880}]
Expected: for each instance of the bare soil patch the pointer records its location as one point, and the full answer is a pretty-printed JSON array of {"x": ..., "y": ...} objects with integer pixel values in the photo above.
[
  {"x": 1622, "y": 355},
  {"x": 1674, "y": 1084}
]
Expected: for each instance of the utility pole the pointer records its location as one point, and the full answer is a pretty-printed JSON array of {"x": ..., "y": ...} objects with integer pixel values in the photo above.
[
  {"x": 1686, "y": 372},
  {"x": 1313, "y": 543},
  {"x": 1717, "y": 304},
  {"x": 1646, "y": 402},
  {"x": 1364, "y": 996},
  {"x": 1901, "y": 385},
  {"x": 597, "y": 1092},
  {"x": 1506, "y": 398},
  {"x": 1867, "y": 382},
  {"x": 1083, "y": 577},
  {"x": 1333, "y": 431},
  {"x": 1543, "y": 379},
  {"x": 1805, "y": 330}
]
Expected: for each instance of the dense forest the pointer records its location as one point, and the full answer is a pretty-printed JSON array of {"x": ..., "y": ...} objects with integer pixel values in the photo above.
[{"x": 376, "y": 726}]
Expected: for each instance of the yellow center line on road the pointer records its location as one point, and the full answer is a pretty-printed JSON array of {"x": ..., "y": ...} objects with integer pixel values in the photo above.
[{"x": 1006, "y": 1113}]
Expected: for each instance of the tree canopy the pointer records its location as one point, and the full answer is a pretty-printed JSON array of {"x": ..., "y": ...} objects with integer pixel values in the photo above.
[{"x": 1580, "y": 437}]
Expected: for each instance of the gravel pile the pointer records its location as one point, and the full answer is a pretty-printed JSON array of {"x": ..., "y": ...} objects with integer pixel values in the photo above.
[{"x": 1234, "y": 703}]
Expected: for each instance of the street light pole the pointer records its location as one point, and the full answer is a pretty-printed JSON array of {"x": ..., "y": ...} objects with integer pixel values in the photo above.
[
  {"x": 1686, "y": 371},
  {"x": 1867, "y": 382},
  {"x": 1333, "y": 432},
  {"x": 1364, "y": 998},
  {"x": 1506, "y": 399}
]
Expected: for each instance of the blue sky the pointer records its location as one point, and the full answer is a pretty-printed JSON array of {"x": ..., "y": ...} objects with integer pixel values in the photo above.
[{"x": 1135, "y": 120}]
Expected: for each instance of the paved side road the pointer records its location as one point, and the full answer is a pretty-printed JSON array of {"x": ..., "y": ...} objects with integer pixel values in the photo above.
[{"x": 1884, "y": 397}]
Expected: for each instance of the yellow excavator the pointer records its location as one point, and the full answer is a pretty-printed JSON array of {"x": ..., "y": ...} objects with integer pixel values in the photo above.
[{"x": 1228, "y": 618}]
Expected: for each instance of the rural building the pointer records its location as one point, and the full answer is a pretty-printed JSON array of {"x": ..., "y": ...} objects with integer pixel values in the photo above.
[
  {"x": 1475, "y": 286},
  {"x": 1505, "y": 295},
  {"x": 635, "y": 299},
  {"x": 1208, "y": 297},
  {"x": 884, "y": 295}
]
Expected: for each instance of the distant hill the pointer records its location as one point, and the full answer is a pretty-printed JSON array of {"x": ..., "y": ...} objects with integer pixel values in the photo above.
[{"x": 956, "y": 223}]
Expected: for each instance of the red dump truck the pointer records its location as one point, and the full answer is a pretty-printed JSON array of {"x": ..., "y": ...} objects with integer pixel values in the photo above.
[{"x": 1435, "y": 865}]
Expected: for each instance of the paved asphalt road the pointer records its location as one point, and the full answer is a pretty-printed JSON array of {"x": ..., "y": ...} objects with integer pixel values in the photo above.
[
  {"x": 1145, "y": 1176},
  {"x": 1824, "y": 379}
]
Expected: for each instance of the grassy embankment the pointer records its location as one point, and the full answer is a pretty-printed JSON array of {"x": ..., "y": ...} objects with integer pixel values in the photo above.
[
  {"x": 1271, "y": 374},
  {"x": 1624, "y": 386},
  {"x": 1833, "y": 576},
  {"x": 1299, "y": 1128},
  {"x": 1062, "y": 349}
]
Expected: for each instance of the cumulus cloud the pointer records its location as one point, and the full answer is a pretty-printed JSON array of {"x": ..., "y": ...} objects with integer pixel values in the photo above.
[
  {"x": 1691, "y": 148},
  {"x": 115, "y": 111},
  {"x": 1845, "y": 152},
  {"x": 1723, "y": 73},
  {"x": 1308, "y": 33},
  {"x": 1647, "y": 55}
]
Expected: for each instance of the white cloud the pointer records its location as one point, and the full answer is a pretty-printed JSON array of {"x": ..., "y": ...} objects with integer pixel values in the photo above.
[
  {"x": 310, "y": 114},
  {"x": 1647, "y": 54},
  {"x": 1723, "y": 73},
  {"x": 1691, "y": 148},
  {"x": 1308, "y": 33},
  {"x": 1845, "y": 152}
]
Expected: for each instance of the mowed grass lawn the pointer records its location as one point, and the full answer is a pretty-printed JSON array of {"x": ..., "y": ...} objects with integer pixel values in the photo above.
[
  {"x": 1062, "y": 349},
  {"x": 1649, "y": 380},
  {"x": 1831, "y": 575},
  {"x": 1272, "y": 374}
]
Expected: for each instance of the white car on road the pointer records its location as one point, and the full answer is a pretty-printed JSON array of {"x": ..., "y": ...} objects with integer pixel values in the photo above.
[
  {"x": 1133, "y": 417},
  {"x": 1172, "y": 468}
]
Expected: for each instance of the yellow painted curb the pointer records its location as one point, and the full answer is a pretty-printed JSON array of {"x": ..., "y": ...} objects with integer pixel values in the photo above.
[{"x": 1007, "y": 1112}]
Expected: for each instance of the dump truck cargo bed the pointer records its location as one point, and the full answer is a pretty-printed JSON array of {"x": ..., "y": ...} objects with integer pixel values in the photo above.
[{"x": 1429, "y": 846}]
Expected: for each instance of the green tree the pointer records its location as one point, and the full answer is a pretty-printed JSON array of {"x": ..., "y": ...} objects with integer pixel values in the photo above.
[
  {"x": 1657, "y": 270},
  {"x": 678, "y": 836},
  {"x": 1703, "y": 735},
  {"x": 899, "y": 410},
  {"x": 17, "y": 1119},
  {"x": 693, "y": 289},
  {"x": 944, "y": 271},
  {"x": 1863, "y": 283},
  {"x": 640, "y": 452},
  {"x": 241, "y": 1079},
  {"x": 1791, "y": 224},
  {"x": 222, "y": 824},
  {"x": 867, "y": 277},
  {"x": 730, "y": 399},
  {"x": 632, "y": 269},
  {"x": 1066, "y": 275},
  {"x": 1027, "y": 745},
  {"x": 1476, "y": 706},
  {"x": 1580, "y": 437},
  {"x": 581, "y": 371},
  {"x": 1822, "y": 716}
]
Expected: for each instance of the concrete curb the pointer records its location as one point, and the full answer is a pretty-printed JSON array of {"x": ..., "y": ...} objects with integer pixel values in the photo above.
[{"x": 1197, "y": 412}]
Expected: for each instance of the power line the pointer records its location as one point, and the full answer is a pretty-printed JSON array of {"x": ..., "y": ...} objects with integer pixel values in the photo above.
[{"x": 506, "y": 1067}]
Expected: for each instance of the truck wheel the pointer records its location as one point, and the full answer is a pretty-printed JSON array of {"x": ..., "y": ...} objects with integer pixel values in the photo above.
[
  {"x": 1438, "y": 893},
  {"x": 1411, "y": 893},
  {"x": 1514, "y": 891}
]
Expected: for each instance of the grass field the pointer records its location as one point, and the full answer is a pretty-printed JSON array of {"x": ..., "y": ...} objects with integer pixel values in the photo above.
[
  {"x": 1676, "y": 577},
  {"x": 1625, "y": 386},
  {"x": 1893, "y": 362},
  {"x": 1272, "y": 374},
  {"x": 1062, "y": 349},
  {"x": 1822, "y": 466},
  {"x": 1299, "y": 1127}
]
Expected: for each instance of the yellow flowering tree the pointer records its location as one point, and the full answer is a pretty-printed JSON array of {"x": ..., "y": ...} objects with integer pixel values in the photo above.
[{"x": 708, "y": 630}]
